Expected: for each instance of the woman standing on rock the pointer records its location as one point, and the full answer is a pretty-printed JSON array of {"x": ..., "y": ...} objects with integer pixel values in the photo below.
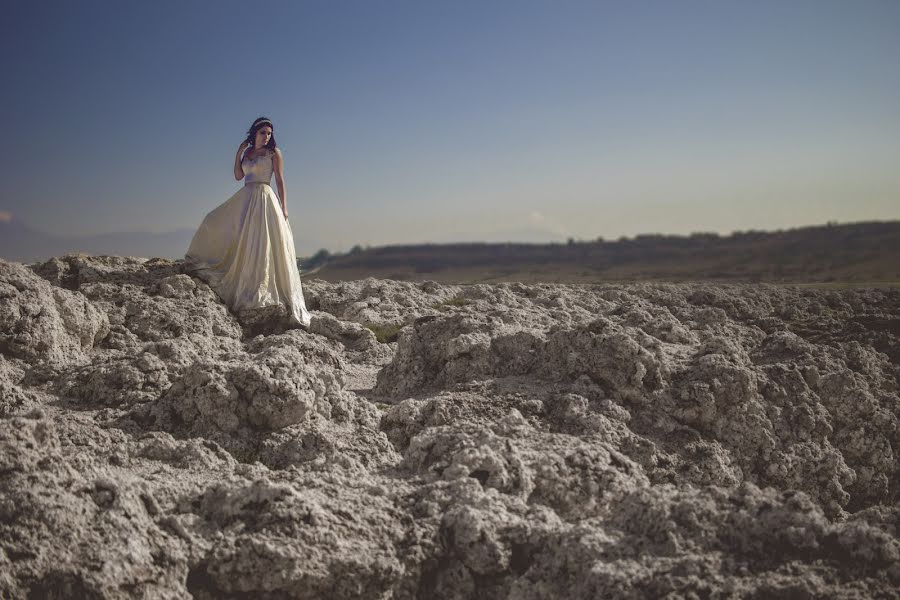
[{"x": 244, "y": 249}]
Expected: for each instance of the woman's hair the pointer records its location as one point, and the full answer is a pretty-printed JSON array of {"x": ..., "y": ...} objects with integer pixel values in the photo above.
[{"x": 257, "y": 124}]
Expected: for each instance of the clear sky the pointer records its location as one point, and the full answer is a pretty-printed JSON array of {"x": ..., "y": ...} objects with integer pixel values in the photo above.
[{"x": 419, "y": 121}]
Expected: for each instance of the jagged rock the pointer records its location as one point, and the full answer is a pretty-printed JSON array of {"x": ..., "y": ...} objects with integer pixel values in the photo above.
[
  {"x": 14, "y": 398},
  {"x": 72, "y": 528},
  {"x": 144, "y": 300},
  {"x": 39, "y": 322},
  {"x": 575, "y": 478},
  {"x": 115, "y": 381},
  {"x": 359, "y": 342},
  {"x": 378, "y": 301}
]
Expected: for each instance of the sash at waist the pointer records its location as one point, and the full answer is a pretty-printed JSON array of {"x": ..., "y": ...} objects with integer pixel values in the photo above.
[{"x": 257, "y": 183}]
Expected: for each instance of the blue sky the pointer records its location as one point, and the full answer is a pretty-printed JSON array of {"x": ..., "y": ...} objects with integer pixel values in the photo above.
[{"x": 405, "y": 122}]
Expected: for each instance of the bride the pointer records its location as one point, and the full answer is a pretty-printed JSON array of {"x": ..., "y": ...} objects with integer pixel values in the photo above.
[{"x": 244, "y": 249}]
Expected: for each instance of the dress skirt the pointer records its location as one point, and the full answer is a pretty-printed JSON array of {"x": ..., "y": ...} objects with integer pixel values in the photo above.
[{"x": 244, "y": 250}]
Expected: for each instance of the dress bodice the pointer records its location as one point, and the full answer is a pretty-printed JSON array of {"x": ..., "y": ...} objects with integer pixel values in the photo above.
[{"x": 258, "y": 169}]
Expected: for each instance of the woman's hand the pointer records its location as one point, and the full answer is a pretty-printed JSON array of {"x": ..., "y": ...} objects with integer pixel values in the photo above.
[{"x": 243, "y": 146}]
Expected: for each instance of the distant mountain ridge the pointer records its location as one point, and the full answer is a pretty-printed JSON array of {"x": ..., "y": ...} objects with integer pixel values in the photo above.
[
  {"x": 862, "y": 251},
  {"x": 21, "y": 243}
]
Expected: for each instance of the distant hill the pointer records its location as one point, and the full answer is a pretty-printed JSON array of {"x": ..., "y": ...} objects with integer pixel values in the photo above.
[
  {"x": 21, "y": 243},
  {"x": 851, "y": 252}
]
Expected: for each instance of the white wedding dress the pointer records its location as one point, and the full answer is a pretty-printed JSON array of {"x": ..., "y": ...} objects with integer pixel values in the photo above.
[{"x": 244, "y": 249}]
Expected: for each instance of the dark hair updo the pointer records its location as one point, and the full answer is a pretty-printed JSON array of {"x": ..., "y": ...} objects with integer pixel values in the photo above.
[{"x": 257, "y": 124}]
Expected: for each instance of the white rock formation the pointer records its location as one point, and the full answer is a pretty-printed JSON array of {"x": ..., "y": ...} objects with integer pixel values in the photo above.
[{"x": 515, "y": 441}]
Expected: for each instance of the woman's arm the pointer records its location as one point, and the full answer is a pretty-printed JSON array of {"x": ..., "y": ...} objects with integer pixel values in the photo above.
[
  {"x": 278, "y": 165},
  {"x": 238, "y": 169}
]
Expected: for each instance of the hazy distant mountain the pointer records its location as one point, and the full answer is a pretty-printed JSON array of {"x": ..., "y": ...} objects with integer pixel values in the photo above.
[{"x": 21, "y": 243}]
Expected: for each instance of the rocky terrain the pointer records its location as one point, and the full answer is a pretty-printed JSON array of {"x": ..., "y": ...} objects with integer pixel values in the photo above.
[{"x": 515, "y": 441}]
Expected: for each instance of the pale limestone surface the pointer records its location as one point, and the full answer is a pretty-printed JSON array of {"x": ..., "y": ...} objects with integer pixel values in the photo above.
[{"x": 515, "y": 441}]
